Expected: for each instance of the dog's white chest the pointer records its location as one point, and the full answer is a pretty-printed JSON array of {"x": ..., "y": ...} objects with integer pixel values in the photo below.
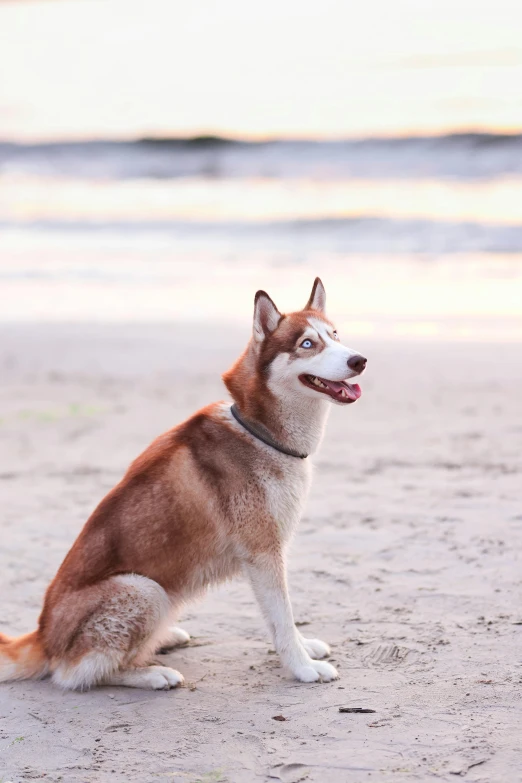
[{"x": 286, "y": 493}]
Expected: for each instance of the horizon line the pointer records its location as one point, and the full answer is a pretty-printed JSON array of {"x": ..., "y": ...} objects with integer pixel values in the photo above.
[{"x": 225, "y": 138}]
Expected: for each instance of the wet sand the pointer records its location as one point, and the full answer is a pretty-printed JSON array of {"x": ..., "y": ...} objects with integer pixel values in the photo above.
[{"x": 407, "y": 560}]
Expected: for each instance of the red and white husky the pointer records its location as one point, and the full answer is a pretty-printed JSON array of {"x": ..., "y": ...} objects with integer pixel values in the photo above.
[{"x": 219, "y": 494}]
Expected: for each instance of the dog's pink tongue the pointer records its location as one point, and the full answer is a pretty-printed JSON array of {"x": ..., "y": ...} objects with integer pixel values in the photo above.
[{"x": 353, "y": 389}]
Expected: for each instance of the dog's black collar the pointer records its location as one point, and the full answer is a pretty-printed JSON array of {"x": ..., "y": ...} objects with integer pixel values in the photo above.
[{"x": 265, "y": 436}]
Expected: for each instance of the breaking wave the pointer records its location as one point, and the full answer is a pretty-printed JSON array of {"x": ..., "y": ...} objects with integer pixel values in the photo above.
[
  {"x": 458, "y": 155},
  {"x": 365, "y": 234}
]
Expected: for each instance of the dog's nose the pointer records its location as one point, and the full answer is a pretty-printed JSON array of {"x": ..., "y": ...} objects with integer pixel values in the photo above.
[{"x": 357, "y": 363}]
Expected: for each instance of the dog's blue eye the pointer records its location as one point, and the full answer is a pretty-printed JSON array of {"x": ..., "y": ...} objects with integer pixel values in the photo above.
[{"x": 306, "y": 344}]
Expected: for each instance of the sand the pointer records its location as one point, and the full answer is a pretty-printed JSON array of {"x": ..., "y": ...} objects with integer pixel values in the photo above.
[{"x": 407, "y": 561}]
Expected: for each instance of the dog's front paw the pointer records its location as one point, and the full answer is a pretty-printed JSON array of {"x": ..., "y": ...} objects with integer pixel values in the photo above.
[
  {"x": 317, "y": 670},
  {"x": 316, "y": 648}
]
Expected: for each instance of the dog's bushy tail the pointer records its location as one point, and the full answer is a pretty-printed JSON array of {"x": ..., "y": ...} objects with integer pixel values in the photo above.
[{"x": 22, "y": 658}]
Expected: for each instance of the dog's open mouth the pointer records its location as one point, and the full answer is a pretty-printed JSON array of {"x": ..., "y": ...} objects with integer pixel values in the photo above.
[{"x": 340, "y": 391}]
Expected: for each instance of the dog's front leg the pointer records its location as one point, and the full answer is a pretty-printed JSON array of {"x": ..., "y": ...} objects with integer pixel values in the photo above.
[{"x": 267, "y": 574}]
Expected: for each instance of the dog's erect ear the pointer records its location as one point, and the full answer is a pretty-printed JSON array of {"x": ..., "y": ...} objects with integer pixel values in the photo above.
[
  {"x": 266, "y": 316},
  {"x": 317, "y": 299}
]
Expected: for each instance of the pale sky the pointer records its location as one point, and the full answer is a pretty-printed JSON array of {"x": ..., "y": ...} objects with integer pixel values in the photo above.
[{"x": 113, "y": 68}]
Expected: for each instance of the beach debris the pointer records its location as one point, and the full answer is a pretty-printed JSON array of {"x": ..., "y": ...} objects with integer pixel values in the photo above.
[
  {"x": 359, "y": 710},
  {"x": 278, "y": 717},
  {"x": 461, "y": 766},
  {"x": 290, "y": 773}
]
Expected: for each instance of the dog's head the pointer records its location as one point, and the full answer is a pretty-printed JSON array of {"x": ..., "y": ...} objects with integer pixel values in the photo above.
[
  {"x": 296, "y": 354},
  {"x": 302, "y": 352}
]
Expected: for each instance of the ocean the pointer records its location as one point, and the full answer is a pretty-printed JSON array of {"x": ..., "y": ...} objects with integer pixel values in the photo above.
[
  {"x": 418, "y": 236},
  {"x": 161, "y": 161}
]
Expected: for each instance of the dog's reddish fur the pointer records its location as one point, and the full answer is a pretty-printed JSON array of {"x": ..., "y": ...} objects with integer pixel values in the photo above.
[
  {"x": 153, "y": 523},
  {"x": 26, "y": 654}
]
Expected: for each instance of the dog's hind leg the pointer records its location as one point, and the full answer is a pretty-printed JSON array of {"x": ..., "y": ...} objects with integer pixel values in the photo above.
[{"x": 119, "y": 624}]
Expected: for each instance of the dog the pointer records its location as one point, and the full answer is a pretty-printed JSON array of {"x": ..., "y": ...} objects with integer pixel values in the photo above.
[{"x": 219, "y": 494}]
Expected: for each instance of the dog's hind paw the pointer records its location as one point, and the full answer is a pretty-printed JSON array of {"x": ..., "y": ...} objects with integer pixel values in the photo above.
[
  {"x": 156, "y": 678},
  {"x": 175, "y": 637},
  {"x": 172, "y": 677}
]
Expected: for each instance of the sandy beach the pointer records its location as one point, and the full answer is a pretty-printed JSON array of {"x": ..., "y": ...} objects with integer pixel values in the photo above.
[
  {"x": 147, "y": 192},
  {"x": 407, "y": 561}
]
